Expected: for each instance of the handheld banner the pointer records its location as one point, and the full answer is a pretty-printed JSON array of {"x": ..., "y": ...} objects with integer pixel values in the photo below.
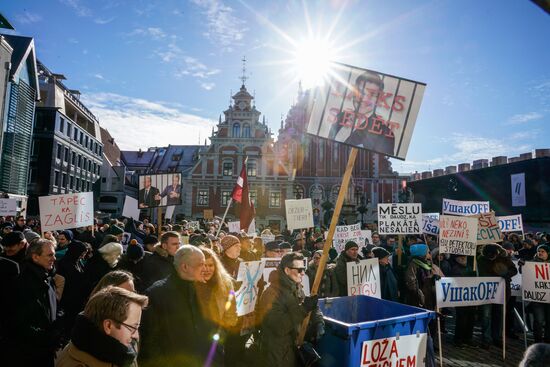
[
  {"x": 8, "y": 207},
  {"x": 515, "y": 283},
  {"x": 271, "y": 264},
  {"x": 130, "y": 209},
  {"x": 59, "y": 212},
  {"x": 457, "y": 235},
  {"x": 366, "y": 109},
  {"x": 267, "y": 238},
  {"x": 430, "y": 226},
  {"x": 235, "y": 227},
  {"x": 535, "y": 282},
  {"x": 193, "y": 224},
  {"x": 510, "y": 223},
  {"x": 403, "y": 350},
  {"x": 343, "y": 234},
  {"x": 457, "y": 207},
  {"x": 159, "y": 190},
  {"x": 470, "y": 291},
  {"x": 367, "y": 235},
  {"x": 364, "y": 278},
  {"x": 299, "y": 214},
  {"x": 430, "y": 215},
  {"x": 169, "y": 212},
  {"x": 488, "y": 230},
  {"x": 399, "y": 218},
  {"x": 246, "y": 297}
]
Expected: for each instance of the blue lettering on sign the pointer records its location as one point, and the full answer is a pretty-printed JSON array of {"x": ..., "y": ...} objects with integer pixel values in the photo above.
[
  {"x": 471, "y": 209},
  {"x": 482, "y": 292}
]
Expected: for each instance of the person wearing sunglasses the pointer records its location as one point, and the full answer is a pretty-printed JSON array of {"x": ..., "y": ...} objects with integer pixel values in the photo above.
[
  {"x": 107, "y": 332},
  {"x": 282, "y": 309}
]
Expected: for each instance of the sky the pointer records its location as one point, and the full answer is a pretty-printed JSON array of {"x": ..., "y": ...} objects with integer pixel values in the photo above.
[{"x": 159, "y": 72}]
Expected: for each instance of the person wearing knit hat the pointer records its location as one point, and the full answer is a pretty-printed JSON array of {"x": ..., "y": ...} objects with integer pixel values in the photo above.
[
  {"x": 231, "y": 247},
  {"x": 135, "y": 252},
  {"x": 63, "y": 241},
  {"x": 272, "y": 249},
  {"x": 116, "y": 231},
  {"x": 542, "y": 254},
  {"x": 319, "y": 243},
  {"x": 419, "y": 250},
  {"x": 350, "y": 254},
  {"x": 149, "y": 242},
  {"x": 388, "y": 279},
  {"x": 15, "y": 245},
  {"x": 30, "y": 236}
]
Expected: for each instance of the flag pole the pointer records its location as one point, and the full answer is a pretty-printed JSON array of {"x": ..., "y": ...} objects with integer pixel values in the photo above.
[
  {"x": 224, "y": 214},
  {"x": 328, "y": 242}
]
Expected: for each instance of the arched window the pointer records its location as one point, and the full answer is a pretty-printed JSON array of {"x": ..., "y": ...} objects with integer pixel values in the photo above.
[
  {"x": 246, "y": 131},
  {"x": 236, "y": 130}
]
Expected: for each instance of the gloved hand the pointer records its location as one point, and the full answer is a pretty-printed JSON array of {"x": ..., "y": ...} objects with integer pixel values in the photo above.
[{"x": 310, "y": 303}]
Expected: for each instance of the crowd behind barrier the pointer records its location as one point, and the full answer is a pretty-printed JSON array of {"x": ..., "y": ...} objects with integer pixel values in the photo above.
[{"x": 121, "y": 293}]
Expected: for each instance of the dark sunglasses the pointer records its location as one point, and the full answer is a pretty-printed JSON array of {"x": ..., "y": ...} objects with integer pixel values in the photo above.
[{"x": 300, "y": 270}]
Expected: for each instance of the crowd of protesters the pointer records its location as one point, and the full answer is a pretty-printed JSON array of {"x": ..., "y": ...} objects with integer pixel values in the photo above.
[{"x": 121, "y": 294}]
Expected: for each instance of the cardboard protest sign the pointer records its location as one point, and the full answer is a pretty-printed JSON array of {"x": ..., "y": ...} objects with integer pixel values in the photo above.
[
  {"x": 457, "y": 207},
  {"x": 535, "y": 282},
  {"x": 488, "y": 230},
  {"x": 367, "y": 235},
  {"x": 364, "y": 278},
  {"x": 399, "y": 218},
  {"x": 236, "y": 227},
  {"x": 159, "y": 190},
  {"x": 430, "y": 226},
  {"x": 299, "y": 214},
  {"x": 208, "y": 214},
  {"x": 430, "y": 215},
  {"x": 366, "y": 109},
  {"x": 8, "y": 207},
  {"x": 193, "y": 224},
  {"x": 469, "y": 291},
  {"x": 402, "y": 350},
  {"x": 130, "y": 208},
  {"x": 515, "y": 283},
  {"x": 457, "y": 235},
  {"x": 347, "y": 233},
  {"x": 510, "y": 223},
  {"x": 271, "y": 264},
  {"x": 249, "y": 274},
  {"x": 169, "y": 212},
  {"x": 59, "y": 212},
  {"x": 267, "y": 238}
]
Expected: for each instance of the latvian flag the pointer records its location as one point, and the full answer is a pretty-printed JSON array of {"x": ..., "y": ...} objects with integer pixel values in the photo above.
[{"x": 240, "y": 191}]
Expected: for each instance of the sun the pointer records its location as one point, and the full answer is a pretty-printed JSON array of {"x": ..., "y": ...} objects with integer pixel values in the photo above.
[{"x": 312, "y": 61}]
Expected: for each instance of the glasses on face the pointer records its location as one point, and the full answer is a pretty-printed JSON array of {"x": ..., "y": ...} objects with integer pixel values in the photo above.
[
  {"x": 299, "y": 270},
  {"x": 133, "y": 329}
]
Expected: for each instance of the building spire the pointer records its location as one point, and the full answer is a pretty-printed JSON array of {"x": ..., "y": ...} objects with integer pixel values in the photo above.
[{"x": 244, "y": 77}]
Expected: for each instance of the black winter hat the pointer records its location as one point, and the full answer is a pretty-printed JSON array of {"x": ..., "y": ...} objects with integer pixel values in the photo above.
[
  {"x": 350, "y": 244},
  {"x": 380, "y": 252},
  {"x": 12, "y": 239},
  {"x": 135, "y": 252}
]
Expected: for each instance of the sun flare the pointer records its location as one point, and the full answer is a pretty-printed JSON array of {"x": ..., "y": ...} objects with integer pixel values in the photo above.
[{"x": 312, "y": 61}]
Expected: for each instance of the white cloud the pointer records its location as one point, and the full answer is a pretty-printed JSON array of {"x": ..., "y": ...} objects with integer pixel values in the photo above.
[
  {"x": 138, "y": 123},
  {"x": 76, "y": 5},
  {"x": 223, "y": 28},
  {"x": 524, "y": 117},
  {"x": 153, "y": 32},
  {"x": 27, "y": 18},
  {"x": 102, "y": 21},
  {"x": 99, "y": 76},
  {"x": 197, "y": 69},
  {"x": 207, "y": 86}
]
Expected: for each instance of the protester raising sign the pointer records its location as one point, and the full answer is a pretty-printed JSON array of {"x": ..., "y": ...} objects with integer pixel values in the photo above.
[
  {"x": 535, "y": 282},
  {"x": 249, "y": 274},
  {"x": 430, "y": 225},
  {"x": 403, "y": 350},
  {"x": 366, "y": 109},
  {"x": 488, "y": 230},
  {"x": 193, "y": 225},
  {"x": 364, "y": 278},
  {"x": 235, "y": 227},
  {"x": 299, "y": 214},
  {"x": 8, "y": 207},
  {"x": 58, "y": 212},
  {"x": 457, "y": 235},
  {"x": 510, "y": 223},
  {"x": 469, "y": 291},
  {"x": 130, "y": 209},
  {"x": 347, "y": 233},
  {"x": 399, "y": 218},
  {"x": 456, "y": 207}
]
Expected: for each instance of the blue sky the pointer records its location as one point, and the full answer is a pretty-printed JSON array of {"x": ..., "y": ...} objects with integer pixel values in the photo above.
[{"x": 160, "y": 72}]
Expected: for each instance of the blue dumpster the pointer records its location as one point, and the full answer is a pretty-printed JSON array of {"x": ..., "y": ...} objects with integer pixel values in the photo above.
[{"x": 350, "y": 321}]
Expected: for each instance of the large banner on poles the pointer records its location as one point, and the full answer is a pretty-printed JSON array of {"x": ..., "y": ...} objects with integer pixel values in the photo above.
[
  {"x": 535, "y": 282},
  {"x": 402, "y": 351},
  {"x": 366, "y": 109},
  {"x": 457, "y": 207},
  {"x": 457, "y": 235},
  {"x": 59, "y": 212},
  {"x": 469, "y": 291},
  {"x": 400, "y": 218},
  {"x": 364, "y": 278}
]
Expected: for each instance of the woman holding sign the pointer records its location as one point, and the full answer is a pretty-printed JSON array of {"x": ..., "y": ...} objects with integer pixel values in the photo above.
[{"x": 541, "y": 311}]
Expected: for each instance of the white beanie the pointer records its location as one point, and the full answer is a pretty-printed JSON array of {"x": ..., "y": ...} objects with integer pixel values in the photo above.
[{"x": 111, "y": 252}]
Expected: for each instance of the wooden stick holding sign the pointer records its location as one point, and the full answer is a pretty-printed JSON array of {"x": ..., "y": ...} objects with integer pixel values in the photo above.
[
  {"x": 504, "y": 330},
  {"x": 399, "y": 249},
  {"x": 159, "y": 220},
  {"x": 439, "y": 337},
  {"x": 328, "y": 242}
]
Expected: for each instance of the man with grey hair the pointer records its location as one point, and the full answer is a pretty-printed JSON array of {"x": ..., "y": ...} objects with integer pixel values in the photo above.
[{"x": 174, "y": 332}]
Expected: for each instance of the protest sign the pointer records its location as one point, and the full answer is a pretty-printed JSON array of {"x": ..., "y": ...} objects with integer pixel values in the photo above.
[
  {"x": 235, "y": 227},
  {"x": 367, "y": 235},
  {"x": 366, "y": 109},
  {"x": 430, "y": 225},
  {"x": 299, "y": 214},
  {"x": 347, "y": 233},
  {"x": 126, "y": 238},
  {"x": 430, "y": 215},
  {"x": 59, "y": 212},
  {"x": 193, "y": 225},
  {"x": 399, "y": 218},
  {"x": 208, "y": 213},
  {"x": 515, "y": 283},
  {"x": 457, "y": 207},
  {"x": 159, "y": 190},
  {"x": 8, "y": 207},
  {"x": 402, "y": 350},
  {"x": 469, "y": 291},
  {"x": 457, "y": 235},
  {"x": 271, "y": 264},
  {"x": 130, "y": 208},
  {"x": 267, "y": 238},
  {"x": 510, "y": 223},
  {"x": 488, "y": 230},
  {"x": 364, "y": 278},
  {"x": 535, "y": 282},
  {"x": 249, "y": 274},
  {"x": 169, "y": 212}
]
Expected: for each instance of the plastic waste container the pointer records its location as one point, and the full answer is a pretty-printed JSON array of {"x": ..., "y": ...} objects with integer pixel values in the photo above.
[{"x": 352, "y": 321}]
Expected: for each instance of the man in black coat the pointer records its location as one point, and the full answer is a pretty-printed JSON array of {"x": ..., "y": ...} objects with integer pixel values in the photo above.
[
  {"x": 160, "y": 264},
  {"x": 35, "y": 310},
  {"x": 15, "y": 245},
  {"x": 174, "y": 332}
]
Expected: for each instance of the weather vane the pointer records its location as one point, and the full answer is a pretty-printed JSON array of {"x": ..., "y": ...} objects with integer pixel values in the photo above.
[{"x": 244, "y": 77}]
